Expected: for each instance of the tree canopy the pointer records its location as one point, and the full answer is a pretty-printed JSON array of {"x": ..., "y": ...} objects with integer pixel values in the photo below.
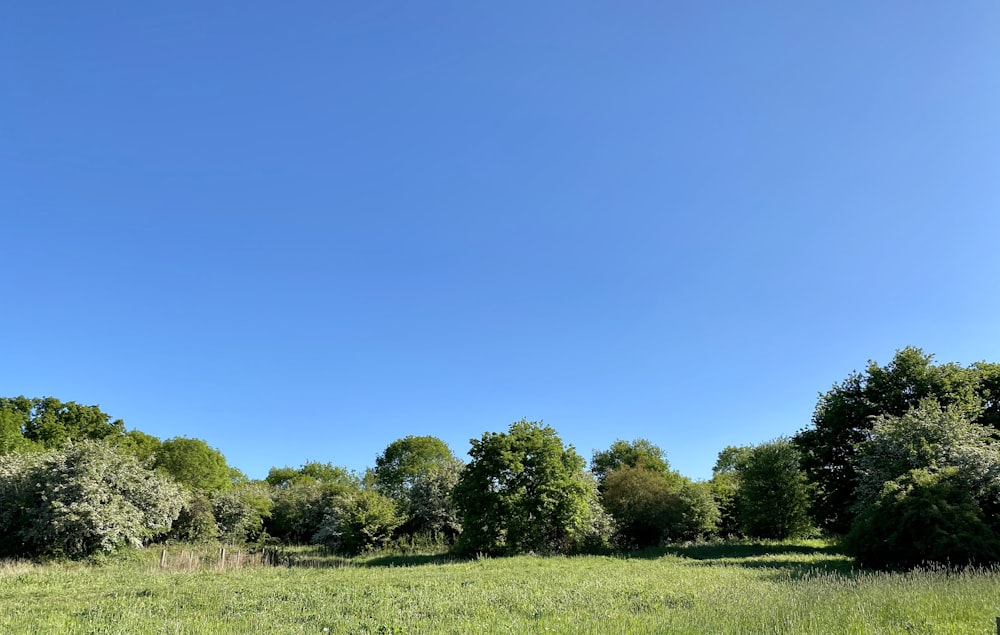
[
  {"x": 406, "y": 460},
  {"x": 522, "y": 491},
  {"x": 640, "y": 453},
  {"x": 845, "y": 414},
  {"x": 194, "y": 464}
]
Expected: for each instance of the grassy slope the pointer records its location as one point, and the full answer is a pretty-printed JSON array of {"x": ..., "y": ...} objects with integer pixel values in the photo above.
[{"x": 791, "y": 588}]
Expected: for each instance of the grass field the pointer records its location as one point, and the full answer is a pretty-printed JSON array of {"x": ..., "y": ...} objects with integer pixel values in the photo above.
[{"x": 802, "y": 587}]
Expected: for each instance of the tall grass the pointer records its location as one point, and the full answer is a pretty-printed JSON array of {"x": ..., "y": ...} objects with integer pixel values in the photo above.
[{"x": 790, "y": 588}]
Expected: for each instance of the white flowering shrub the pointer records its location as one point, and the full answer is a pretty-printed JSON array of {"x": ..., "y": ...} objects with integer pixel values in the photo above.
[{"x": 84, "y": 499}]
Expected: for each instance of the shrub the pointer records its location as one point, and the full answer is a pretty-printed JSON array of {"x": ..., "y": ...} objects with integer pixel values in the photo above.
[
  {"x": 920, "y": 518},
  {"x": 359, "y": 522},
  {"x": 84, "y": 499}
]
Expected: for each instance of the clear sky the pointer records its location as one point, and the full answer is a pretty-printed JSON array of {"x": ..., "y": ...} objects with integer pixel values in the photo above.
[{"x": 302, "y": 230}]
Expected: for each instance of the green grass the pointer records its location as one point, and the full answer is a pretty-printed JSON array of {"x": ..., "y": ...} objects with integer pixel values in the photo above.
[{"x": 801, "y": 587}]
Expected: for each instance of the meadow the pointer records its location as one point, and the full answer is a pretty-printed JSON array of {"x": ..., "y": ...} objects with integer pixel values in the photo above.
[{"x": 791, "y": 587}]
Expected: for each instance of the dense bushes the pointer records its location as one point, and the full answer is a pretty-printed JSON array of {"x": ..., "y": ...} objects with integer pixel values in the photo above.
[
  {"x": 924, "y": 517},
  {"x": 904, "y": 456},
  {"x": 84, "y": 499},
  {"x": 929, "y": 488}
]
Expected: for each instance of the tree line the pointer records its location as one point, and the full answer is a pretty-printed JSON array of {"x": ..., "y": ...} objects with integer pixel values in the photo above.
[{"x": 900, "y": 460}]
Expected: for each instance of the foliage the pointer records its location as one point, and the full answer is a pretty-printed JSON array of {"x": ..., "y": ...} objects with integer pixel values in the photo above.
[
  {"x": 429, "y": 505},
  {"x": 239, "y": 513},
  {"x": 359, "y": 522},
  {"x": 923, "y": 517},
  {"x": 522, "y": 491},
  {"x": 845, "y": 414},
  {"x": 934, "y": 438},
  {"x": 51, "y": 423},
  {"x": 929, "y": 490},
  {"x": 194, "y": 464},
  {"x": 406, "y": 460},
  {"x": 12, "y": 437},
  {"x": 724, "y": 487},
  {"x": 773, "y": 492},
  {"x": 85, "y": 499},
  {"x": 139, "y": 444},
  {"x": 639, "y": 453},
  {"x": 196, "y": 522},
  {"x": 310, "y": 472},
  {"x": 301, "y": 498},
  {"x": 650, "y": 507}
]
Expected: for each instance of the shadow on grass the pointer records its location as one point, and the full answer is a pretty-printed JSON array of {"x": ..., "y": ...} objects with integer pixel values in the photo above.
[
  {"x": 786, "y": 558},
  {"x": 796, "y": 560}
]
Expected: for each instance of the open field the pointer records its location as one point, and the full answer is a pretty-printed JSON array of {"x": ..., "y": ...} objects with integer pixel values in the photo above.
[{"x": 802, "y": 587}]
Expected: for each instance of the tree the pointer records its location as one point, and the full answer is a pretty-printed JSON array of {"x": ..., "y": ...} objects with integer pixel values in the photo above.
[
  {"x": 359, "y": 522},
  {"x": 406, "y": 460},
  {"x": 194, "y": 464},
  {"x": 310, "y": 472},
  {"x": 639, "y": 453},
  {"x": 725, "y": 486},
  {"x": 522, "y": 491},
  {"x": 844, "y": 415},
  {"x": 239, "y": 513},
  {"x": 930, "y": 437},
  {"x": 430, "y": 506},
  {"x": 51, "y": 423},
  {"x": 920, "y": 518},
  {"x": 195, "y": 522},
  {"x": 12, "y": 437},
  {"x": 929, "y": 490},
  {"x": 302, "y": 497},
  {"x": 141, "y": 445},
  {"x": 773, "y": 494},
  {"x": 84, "y": 499}
]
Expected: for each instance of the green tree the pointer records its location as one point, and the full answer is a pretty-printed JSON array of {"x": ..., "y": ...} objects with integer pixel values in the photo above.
[
  {"x": 195, "y": 522},
  {"x": 406, "y": 460},
  {"x": 923, "y": 517},
  {"x": 929, "y": 489},
  {"x": 725, "y": 486},
  {"x": 302, "y": 497},
  {"x": 139, "y": 444},
  {"x": 310, "y": 472},
  {"x": 639, "y": 453},
  {"x": 650, "y": 507},
  {"x": 194, "y": 464},
  {"x": 359, "y": 522},
  {"x": 12, "y": 437},
  {"x": 240, "y": 513},
  {"x": 844, "y": 416},
  {"x": 773, "y": 494},
  {"x": 522, "y": 491},
  {"x": 84, "y": 499},
  {"x": 50, "y": 423}
]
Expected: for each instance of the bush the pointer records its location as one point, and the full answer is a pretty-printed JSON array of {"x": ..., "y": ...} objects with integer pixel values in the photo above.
[
  {"x": 920, "y": 518},
  {"x": 83, "y": 500},
  {"x": 651, "y": 507},
  {"x": 359, "y": 522},
  {"x": 196, "y": 522},
  {"x": 773, "y": 496}
]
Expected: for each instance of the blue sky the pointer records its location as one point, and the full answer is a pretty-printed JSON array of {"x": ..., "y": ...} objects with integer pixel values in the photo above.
[{"x": 301, "y": 231}]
